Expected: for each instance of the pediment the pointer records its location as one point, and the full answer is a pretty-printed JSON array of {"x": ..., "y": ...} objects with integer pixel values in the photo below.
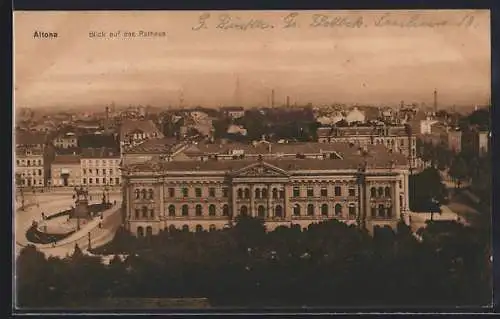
[{"x": 260, "y": 170}]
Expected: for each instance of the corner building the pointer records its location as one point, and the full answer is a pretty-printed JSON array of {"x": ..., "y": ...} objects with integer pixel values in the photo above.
[{"x": 366, "y": 190}]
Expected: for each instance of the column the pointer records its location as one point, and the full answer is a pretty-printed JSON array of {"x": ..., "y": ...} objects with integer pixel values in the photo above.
[
  {"x": 128, "y": 203},
  {"x": 161, "y": 213},
  {"x": 406, "y": 197},
  {"x": 252, "y": 199},
  {"x": 269, "y": 198},
  {"x": 396, "y": 210},
  {"x": 234, "y": 193},
  {"x": 288, "y": 211}
]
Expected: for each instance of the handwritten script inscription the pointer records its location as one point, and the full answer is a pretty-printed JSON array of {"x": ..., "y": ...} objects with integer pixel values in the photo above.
[{"x": 321, "y": 21}]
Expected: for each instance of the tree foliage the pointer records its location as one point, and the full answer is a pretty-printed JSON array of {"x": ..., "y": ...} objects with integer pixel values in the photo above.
[
  {"x": 426, "y": 188},
  {"x": 327, "y": 264}
]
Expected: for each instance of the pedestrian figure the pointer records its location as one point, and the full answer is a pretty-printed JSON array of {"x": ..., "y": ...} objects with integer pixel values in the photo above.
[{"x": 100, "y": 225}]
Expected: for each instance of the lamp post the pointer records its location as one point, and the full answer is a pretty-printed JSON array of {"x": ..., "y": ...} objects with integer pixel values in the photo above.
[{"x": 90, "y": 246}]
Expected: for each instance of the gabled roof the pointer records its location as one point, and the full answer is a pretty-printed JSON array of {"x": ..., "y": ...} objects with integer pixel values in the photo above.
[{"x": 143, "y": 126}]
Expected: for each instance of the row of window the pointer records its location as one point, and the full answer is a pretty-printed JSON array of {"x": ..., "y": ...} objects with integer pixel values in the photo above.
[
  {"x": 36, "y": 172},
  {"x": 29, "y": 162},
  {"x": 171, "y": 228},
  {"x": 323, "y": 192},
  {"x": 263, "y": 192},
  {"x": 98, "y": 181},
  {"x": 102, "y": 162},
  {"x": 98, "y": 171},
  {"x": 144, "y": 212},
  {"x": 30, "y": 182},
  {"x": 380, "y": 192},
  {"x": 144, "y": 193}
]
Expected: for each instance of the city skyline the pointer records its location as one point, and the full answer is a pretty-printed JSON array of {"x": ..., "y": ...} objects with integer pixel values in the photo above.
[{"x": 367, "y": 65}]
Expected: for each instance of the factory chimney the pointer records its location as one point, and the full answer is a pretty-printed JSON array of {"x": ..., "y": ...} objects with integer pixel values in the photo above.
[
  {"x": 106, "y": 123},
  {"x": 272, "y": 98},
  {"x": 435, "y": 101},
  {"x": 288, "y": 101}
]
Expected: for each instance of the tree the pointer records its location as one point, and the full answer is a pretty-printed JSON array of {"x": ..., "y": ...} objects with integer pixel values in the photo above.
[
  {"x": 249, "y": 231},
  {"x": 458, "y": 170},
  {"x": 31, "y": 285},
  {"x": 426, "y": 188}
]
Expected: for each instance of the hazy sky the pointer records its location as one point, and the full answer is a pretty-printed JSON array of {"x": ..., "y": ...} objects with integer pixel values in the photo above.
[{"x": 369, "y": 63}]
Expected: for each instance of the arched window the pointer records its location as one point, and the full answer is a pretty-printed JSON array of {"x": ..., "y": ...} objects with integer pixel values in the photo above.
[
  {"x": 152, "y": 213},
  {"x": 380, "y": 192},
  {"x": 278, "y": 211},
  {"x": 264, "y": 193},
  {"x": 171, "y": 210},
  {"x": 310, "y": 210},
  {"x": 137, "y": 213},
  {"x": 240, "y": 193},
  {"x": 374, "y": 211},
  {"x": 338, "y": 209},
  {"x": 243, "y": 210},
  {"x": 247, "y": 193},
  {"x": 257, "y": 193},
  {"x": 149, "y": 231},
  {"x": 198, "y": 210},
  {"x": 381, "y": 210},
  {"x": 185, "y": 228},
  {"x": 296, "y": 210},
  {"x": 144, "y": 212},
  {"x": 171, "y": 228},
  {"x": 150, "y": 193},
  {"x": 137, "y": 194},
  {"x": 225, "y": 210},
  {"x": 185, "y": 210},
  {"x": 261, "y": 211},
  {"x": 373, "y": 192},
  {"x": 387, "y": 192},
  {"x": 28, "y": 162},
  {"x": 275, "y": 193},
  {"x": 324, "y": 210},
  {"x": 140, "y": 231},
  {"x": 211, "y": 227},
  {"x": 144, "y": 193},
  {"x": 199, "y": 228},
  {"x": 211, "y": 210}
]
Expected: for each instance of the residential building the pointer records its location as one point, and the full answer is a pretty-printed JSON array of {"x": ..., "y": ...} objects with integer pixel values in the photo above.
[
  {"x": 30, "y": 167},
  {"x": 476, "y": 141},
  {"x": 66, "y": 140},
  {"x": 158, "y": 148},
  {"x": 455, "y": 140},
  {"x": 65, "y": 170},
  {"x": 30, "y": 140},
  {"x": 365, "y": 189},
  {"x": 233, "y": 112},
  {"x": 134, "y": 132},
  {"x": 100, "y": 166},
  {"x": 397, "y": 138}
]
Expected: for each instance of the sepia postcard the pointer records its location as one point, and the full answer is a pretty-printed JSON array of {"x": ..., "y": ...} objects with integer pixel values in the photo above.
[{"x": 218, "y": 160}]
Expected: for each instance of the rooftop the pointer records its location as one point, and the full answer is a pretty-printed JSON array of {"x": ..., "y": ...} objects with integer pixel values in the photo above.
[
  {"x": 102, "y": 152},
  {"x": 376, "y": 158},
  {"x": 154, "y": 146},
  {"x": 29, "y": 138},
  {"x": 128, "y": 126},
  {"x": 66, "y": 159}
]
